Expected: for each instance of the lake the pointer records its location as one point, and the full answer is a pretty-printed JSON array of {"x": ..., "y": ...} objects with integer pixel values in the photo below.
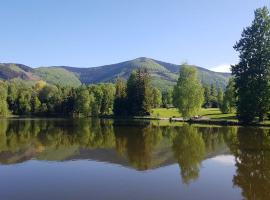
[{"x": 105, "y": 159}]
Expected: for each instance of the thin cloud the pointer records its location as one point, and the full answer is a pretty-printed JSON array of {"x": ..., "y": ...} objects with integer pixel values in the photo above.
[
  {"x": 224, "y": 159},
  {"x": 222, "y": 68}
]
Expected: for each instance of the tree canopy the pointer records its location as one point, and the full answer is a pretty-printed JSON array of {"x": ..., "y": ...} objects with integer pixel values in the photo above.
[
  {"x": 188, "y": 92},
  {"x": 252, "y": 73}
]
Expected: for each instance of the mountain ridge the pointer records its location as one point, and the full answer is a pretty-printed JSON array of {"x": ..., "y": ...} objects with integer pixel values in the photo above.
[{"x": 164, "y": 74}]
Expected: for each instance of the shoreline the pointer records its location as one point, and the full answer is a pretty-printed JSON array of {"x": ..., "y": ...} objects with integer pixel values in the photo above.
[{"x": 148, "y": 118}]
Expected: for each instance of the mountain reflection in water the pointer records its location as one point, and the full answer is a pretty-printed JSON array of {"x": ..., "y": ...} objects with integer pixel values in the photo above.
[{"x": 144, "y": 146}]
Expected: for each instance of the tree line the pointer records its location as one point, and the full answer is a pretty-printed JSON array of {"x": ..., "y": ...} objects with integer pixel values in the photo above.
[
  {"x": 134, "y": 97},
  {"x": 20, "y": 98}
]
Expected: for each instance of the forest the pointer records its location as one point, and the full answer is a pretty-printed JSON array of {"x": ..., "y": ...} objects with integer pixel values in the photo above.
[{"x": 134, "y": 97}]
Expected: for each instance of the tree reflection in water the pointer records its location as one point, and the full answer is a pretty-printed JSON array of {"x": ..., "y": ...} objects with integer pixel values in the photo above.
[
  {"x": 142, "y": 146},
  {"x": 251, "y": 148},
  {"x": 189, "y": 150}
]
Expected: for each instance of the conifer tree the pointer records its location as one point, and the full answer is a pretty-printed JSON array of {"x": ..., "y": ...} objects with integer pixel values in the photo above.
[{"x": 252, "y": 73}]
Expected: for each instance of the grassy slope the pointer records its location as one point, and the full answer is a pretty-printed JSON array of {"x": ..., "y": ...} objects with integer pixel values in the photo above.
[
  {"x": 59, "y": 76},
  {"x": 164, "y": 74},
  {"x": 212, "y": 113}
]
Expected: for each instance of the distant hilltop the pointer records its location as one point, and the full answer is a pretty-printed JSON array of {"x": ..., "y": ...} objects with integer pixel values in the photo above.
[{"x": 164, "y": 75}]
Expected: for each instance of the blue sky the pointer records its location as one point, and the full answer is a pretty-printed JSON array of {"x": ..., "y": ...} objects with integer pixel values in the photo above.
[{"x": 88, "y": 33}]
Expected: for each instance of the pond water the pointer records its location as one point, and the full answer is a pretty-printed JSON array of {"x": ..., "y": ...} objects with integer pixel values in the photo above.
[{"x": 105, "y": 159}]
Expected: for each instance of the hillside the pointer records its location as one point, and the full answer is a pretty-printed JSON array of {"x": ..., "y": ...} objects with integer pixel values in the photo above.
[
  {"x": 164, "y": 74},
  {"x": 59, "y": 76}
]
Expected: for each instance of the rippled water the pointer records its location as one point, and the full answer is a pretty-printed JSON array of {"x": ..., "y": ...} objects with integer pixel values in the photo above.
[{"x": 93, "y": 159}]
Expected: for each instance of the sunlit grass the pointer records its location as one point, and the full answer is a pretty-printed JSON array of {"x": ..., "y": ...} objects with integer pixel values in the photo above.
[{"x": 211, "y": 113}]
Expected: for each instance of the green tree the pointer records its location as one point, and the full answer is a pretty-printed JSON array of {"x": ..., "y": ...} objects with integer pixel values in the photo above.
[
  {"x": 156, "y": 98},
  {"x": 228, "y": 102},
  {"x": 35, "y": 104},
  {"x": 189, "y": 151},
  {"x": 188, "y": 92},
  {"x": 207, "y": 97},
  {"x": 219, "y": 97},
  {"x": 213, "y": 96},
  {"x": 139, "y": 100},
  {"x": 108, "y": 91},
  {"x": 24, "y": 102},
  {"x": 83, "y": 102},
  {"x": 3, "y": 100},
  {"x": 50, "y": 96},
  {"x": 97, "y": 92},
  {"x": 253, "y": 70},
  {"x": 167, "y": 98},
  {"x": 120, "y": 101}
]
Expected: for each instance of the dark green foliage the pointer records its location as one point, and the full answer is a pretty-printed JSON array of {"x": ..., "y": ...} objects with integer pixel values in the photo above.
[
  {"x": 51, "y": 97},
  {"x": 228, "y": 102},
  {"x": 252, "y": 73},
  {"x": 212, "y": 96},
  {"x": 156, "y": 98},
  {"x": 136, "y": 97},
  {"x": 120, "y": 101},
  {"x": 167, "y": 98},
  {"x": 139, "y": 91}
]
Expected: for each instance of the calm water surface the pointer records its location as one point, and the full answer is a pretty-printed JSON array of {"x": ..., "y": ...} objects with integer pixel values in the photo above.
[{"x": 92, "y": 159}]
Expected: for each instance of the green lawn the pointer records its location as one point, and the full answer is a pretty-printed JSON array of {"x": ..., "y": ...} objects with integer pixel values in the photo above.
[{"x": 212, "y": 113}]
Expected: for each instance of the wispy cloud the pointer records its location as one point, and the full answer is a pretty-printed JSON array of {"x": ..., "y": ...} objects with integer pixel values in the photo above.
[
  {"x": 222, "y": 68},
  {"x": 224, "y": 159}
]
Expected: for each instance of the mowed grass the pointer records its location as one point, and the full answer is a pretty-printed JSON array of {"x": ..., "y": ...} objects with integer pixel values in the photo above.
[{"x": 212, "y": 113}]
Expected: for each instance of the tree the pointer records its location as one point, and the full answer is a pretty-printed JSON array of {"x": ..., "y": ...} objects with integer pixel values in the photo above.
[
  {"x": 219, "y": 97},
  {"x": 50, "y": 96},
  {"x": 24, "y": 102},
  {"x": 97, "y": 92},
  {"x": 167, "y": 98},
  {"x": 156, "y": 98},
  {"x": 213, "y": 96},
  {"x": 35, "y": 104},
  {"x": 3, "y": 100},
  {"x": 188, "y": 92},
  {"x": 83, "y": 101},
  {"x": 139, "y": 100},
  {"x": 207, "y": 97},
  {"x": 108, "y": 91},
  {"x": 120, "y": 101},
  {"x": 228, "y": 102},
  {"x": 189, "y": 151},
  {"x": 40, "y": 85},
  {"x": 12, "y": 96},
  {"x": 252, "y": 73}
]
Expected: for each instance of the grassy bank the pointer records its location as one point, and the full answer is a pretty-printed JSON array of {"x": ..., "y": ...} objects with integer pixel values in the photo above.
[{"x": 211, "y": 113}]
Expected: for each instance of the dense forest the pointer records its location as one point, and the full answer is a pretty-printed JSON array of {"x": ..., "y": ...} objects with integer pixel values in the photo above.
[{"x": 134, "y": 97}]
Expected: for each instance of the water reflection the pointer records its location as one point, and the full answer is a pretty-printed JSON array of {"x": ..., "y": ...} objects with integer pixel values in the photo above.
[
  {"x": 251, "y": 148},
  {"x": 189, "y": 150},
  {"x": 143, "y": 146}
]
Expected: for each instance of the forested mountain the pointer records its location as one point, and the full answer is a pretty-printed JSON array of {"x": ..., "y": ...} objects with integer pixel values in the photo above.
[{"x": 164, "y": 74}]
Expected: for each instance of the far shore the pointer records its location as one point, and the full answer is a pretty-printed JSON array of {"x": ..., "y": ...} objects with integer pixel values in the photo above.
[{"x": 210, "y": 116}]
